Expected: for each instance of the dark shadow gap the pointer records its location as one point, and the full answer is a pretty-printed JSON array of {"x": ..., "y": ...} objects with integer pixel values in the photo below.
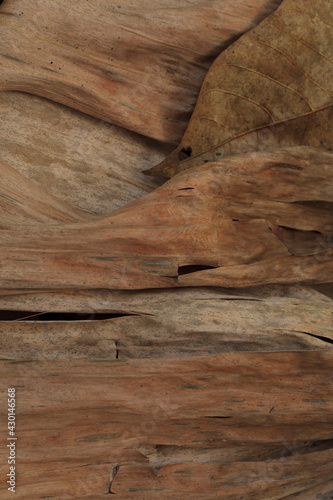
[
  {"x": 193, "y": 269},
  {"x": 57, "y": 316},
  {"x": 216, "y": 416},
  {"x": 320, "y": 337}
]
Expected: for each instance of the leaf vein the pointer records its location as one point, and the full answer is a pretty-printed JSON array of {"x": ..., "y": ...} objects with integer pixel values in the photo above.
[
  {"x": 295, "y": 64},
  {"x": 241, "y": 97},
  {"x": 212, "y": 120},
  {"x": 303, "y": 42},
  {"x": 273, "y": 80},
  {"x": 247, "y": 132}
]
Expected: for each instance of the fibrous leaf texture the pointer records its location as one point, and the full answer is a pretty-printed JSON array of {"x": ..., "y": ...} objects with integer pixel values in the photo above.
[
  {"x": 109, "y": 60},
  {"x": 244, "y": 220},
  {"x": 214, "y": 423}
]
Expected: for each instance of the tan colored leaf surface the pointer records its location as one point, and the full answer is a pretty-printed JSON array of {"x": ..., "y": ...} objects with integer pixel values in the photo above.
[
  {"x": 92, "y": 420},
  {"x": 86, "y": 162},
  {"x": 148, "y": 325},
  {"x": 220, "y": 426},
  {"x": 110, "y": 301},
  {"x": 272, "y": 88},
  {"x": 138, "y": 64},
  {"x": 23, "y": 202},
  {"x": 255, "y": 219}
]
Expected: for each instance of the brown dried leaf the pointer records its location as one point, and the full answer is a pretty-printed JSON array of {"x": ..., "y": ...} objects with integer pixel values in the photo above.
[
  {"x": 272, "y": 88},
  {"x": 23, "y": 202},
  {"x": 86, "y": 162},
  {"x": 146, "y": 324},
  {"x": 254, "y": 218},
  {"x": 162, "y": 422},
  {"x": 137, "y": 65}
]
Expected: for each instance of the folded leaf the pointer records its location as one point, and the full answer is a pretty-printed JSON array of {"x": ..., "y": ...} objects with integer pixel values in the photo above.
[
  {"x": 158, "y": 428},
  {"x": 257, "y": 218},
  {"x": 272, "y": 88},
  {"x": 164, "y": 323},
  {"x": 23, "y": 202},
  {"x": 87, "y": 162},
  {"x": 136, "y": 64}
]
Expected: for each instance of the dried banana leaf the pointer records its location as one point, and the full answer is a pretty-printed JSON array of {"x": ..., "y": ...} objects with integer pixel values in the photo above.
[
  {"x": 91, "y": 164},
  {"x": 208, "y": 427},
  {"x": 134, "y": 64},
  {"x": 241, "y": 221},
  {"x": 162, "y": 323}
]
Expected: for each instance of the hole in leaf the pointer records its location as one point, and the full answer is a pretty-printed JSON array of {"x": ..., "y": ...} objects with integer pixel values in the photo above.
[
  {"x": 193, "y": 269},
  {"x": 185, "y": 153}
]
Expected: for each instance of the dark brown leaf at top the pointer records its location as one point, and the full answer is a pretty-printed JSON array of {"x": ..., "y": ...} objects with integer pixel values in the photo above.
[{"x": 272, "y": 88}]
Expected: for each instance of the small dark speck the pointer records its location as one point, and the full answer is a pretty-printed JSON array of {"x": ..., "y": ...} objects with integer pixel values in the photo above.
[
  {"x": 51, "y": 62},
  {"x": 206, "y": 161},
  {"x": 218, "y": 154}
]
